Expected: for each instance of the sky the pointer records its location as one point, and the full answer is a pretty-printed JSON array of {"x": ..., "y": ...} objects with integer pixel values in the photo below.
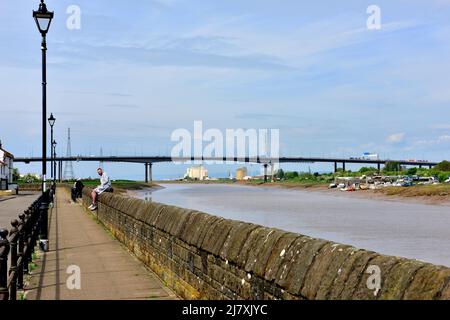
[{"x": 137, "y": 70}]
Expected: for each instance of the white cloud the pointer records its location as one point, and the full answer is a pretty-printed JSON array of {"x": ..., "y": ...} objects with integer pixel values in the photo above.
[
  {"x": 296, "y": 47},
  {"x": 444, "y": 137},
  {"x": 441, "y": 139},
  {"x": 395, "y": 138}
]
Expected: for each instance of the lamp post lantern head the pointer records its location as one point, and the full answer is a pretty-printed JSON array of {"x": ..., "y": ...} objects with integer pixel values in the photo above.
[
  {"x": 43, "y": 18},
  {"x": 51, "y": 120}
]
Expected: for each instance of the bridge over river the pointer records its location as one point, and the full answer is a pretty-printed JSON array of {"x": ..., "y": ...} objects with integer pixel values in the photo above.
[{"x": 148, "y": 161}]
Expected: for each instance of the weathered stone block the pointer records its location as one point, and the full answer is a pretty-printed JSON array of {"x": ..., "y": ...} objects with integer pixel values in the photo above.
[
  {"x": 194, "y": 226},
  {"x": 398, "y": 279},
  {"x": 350, "y": 275},
  {"x": 445, "y": 295},
  {"x": 163, "y": 219},
  {"x": 299, "y": 259},
  {"x": 261, "y": 250},
  {"x": 329, "y": 263},
  {"x": 428, "y": 283},
  {"x": 177, "y": 226},
  {"x": 216, "y": 236},
  {"x": 278, "y": 256},
  {"x": 363, "y": 291},
  {"x": 155, "y": 209},
  {"x": 208, "y": 225},
  {"x": 232, "y": 247},
  {"x": 249, "y": 245}
]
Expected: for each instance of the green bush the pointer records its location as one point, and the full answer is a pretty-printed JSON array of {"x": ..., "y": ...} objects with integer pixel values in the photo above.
[
  {"x": 280, "y": 174},
  {"x": 306, "y": 176},
  {"x": 391, "y": 166},
  {"x": 16, "y": 174},
  {"x": 290, "y": 175},
  {"x": 442, "y": 176},
  {"x": 29, "y": 178},
  {"x": 443, "y": 166},
  {"x": 367, "y": 169}
]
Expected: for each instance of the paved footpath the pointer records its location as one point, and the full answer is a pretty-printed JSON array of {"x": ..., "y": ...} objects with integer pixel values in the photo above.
[
  {"x": 12, "y": 206},
  {"x": 108, "y": 270}
]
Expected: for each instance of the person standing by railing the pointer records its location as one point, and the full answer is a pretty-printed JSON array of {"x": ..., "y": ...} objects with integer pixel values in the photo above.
[{"x": 52, "y": 191}]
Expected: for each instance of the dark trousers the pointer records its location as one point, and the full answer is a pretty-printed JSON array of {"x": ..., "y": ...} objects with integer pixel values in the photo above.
[{"x": 75, "y": 193}]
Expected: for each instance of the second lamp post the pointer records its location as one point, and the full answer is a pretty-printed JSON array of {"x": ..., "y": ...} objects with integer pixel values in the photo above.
[
  {"x": 51, "y": 122},
  {"x": 54, "y": 161}
]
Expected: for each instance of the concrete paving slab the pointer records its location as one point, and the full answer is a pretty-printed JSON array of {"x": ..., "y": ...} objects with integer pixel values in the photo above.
[{"x": 108, "y": 271}]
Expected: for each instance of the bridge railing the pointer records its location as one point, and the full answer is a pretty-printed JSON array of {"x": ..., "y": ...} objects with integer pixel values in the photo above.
[{"x": 17, "y": 246}]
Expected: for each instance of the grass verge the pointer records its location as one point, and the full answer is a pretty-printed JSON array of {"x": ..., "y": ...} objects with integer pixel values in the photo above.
[{"x": 440, "y": 190}]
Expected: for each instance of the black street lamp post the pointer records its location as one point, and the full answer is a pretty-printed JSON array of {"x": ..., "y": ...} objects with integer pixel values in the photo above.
[
  {"x": 54, "y": 160},
  {"x": 51, "y": 122},
  {"x": 43, "y": 19}
]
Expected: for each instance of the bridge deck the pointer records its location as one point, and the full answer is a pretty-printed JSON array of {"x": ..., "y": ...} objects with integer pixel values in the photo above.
[{"x": 108, "y": 271}]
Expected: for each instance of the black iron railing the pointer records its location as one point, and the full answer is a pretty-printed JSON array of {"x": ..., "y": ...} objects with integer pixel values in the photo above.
[{"x": 17, "y": 246}]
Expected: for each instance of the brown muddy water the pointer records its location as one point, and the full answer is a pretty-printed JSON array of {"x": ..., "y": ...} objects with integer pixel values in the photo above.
[{"x": 411, "y": 230}]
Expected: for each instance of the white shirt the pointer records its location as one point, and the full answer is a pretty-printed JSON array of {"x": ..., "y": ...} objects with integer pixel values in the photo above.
[{"x": 105, "y": 183}]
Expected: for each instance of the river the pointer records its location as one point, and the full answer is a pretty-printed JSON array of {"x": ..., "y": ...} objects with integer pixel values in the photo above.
[{"x": 412, "y": 230}]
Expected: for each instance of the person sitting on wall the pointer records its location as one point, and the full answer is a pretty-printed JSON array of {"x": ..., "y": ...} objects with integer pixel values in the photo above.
[
  {"x": 77, "y": 190},
  {"x": 105, "y": 186}
]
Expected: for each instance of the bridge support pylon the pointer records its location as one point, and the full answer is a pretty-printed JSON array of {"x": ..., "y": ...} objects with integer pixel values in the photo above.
[
  {"x": 150, "y": 169},
  {"x": 146, "y": 172}
]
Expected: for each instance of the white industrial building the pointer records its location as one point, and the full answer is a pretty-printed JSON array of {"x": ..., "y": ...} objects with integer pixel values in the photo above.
[
  {"x": 197, "y": 173},
  {"x": 6, "y": 168}
]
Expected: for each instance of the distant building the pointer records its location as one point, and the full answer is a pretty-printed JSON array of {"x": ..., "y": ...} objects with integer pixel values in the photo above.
[
  {"x": 197, "y": 173},
  {"x": 6, "y": 168},
  {"x": 241, "y": 173}
]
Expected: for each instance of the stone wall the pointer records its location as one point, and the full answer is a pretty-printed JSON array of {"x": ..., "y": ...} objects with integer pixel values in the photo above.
[
  {"x": 201, "y": 256},
  {"x": 30, "y": 186}
]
